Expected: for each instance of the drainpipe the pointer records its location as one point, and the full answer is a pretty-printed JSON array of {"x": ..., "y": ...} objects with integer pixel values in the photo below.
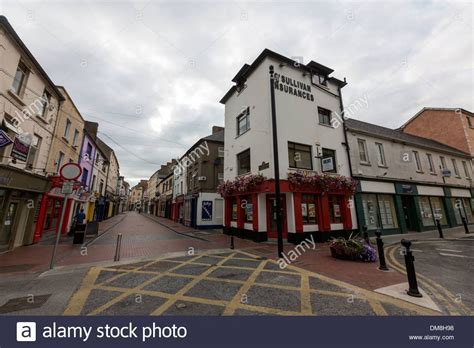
[{"x": 347, "y": 149}]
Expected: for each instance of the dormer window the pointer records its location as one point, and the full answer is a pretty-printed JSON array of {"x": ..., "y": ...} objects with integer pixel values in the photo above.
[{"x": 318, "y": 79}]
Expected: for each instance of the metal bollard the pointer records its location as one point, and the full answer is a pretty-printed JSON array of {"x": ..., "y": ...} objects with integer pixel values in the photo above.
[
  {"x": 118, "y": 247},
  {"x": 232, "y": 242},
  {"x": 366, "y": 234},
  {"x": 383, "y": 265},
  {"x": 440, "y": 230},
  {"x": 411, "y": 274},
  {"x": 464, "y": 222}
]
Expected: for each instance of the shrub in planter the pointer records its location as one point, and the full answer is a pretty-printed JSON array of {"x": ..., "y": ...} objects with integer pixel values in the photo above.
[{"x": 352, "y": 248}]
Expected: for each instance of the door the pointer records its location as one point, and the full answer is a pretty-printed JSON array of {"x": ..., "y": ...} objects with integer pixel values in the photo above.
[
  {"x": 272, "y": 216},
  {"x": 219, "y": 211},
  {"x": 8, "y": 225},
  {"x": 409, "y": 212}
]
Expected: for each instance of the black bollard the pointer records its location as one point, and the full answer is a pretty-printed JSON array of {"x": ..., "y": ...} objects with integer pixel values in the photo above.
[
  {"x": 440, "y": 230},
  {"x": 383, "y": 265},
  {"x": 464, "y": 222},
  {"x": 366, "y": 234},
  {"x": 232, "y": 242},
  {"x": 410, "y": 265}
]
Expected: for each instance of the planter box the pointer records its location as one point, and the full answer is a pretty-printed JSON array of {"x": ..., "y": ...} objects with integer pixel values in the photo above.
[{"x": 341, "y": 254}]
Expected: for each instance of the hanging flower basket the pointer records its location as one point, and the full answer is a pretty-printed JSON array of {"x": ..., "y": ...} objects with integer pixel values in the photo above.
[
  {"x": 323, "y": 182},
  {"x": 240, "y": 184}
]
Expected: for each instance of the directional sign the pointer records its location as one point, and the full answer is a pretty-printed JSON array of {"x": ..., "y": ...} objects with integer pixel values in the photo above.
[{"x": 70, "y": 171}]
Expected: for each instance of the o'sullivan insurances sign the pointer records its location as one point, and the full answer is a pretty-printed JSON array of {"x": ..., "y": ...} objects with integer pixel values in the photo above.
[{"x": 291, "y": 86}]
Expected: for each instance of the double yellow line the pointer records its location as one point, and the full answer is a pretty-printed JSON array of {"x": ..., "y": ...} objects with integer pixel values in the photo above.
[{"x": 443, "y": 295}]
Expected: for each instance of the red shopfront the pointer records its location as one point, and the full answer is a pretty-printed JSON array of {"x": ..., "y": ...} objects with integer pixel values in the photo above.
[
  {"x": 50, "y": 210},
  {"x": 306, "y": 211}
]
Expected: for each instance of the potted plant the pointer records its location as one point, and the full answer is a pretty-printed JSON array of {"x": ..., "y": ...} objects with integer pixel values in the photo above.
[{"x": 352, "y": 248}]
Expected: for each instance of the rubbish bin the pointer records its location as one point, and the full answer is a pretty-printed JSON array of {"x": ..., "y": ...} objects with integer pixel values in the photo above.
[{"x": 79, "y": 234}]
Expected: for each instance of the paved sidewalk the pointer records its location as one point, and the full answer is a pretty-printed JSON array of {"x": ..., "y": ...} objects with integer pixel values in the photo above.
[
  {"x": 448, "y": 233},
  {"x": 230, "y": 283}
]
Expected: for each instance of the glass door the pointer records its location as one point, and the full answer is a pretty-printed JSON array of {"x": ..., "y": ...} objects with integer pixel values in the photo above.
[{"x": 7, "y": 226}]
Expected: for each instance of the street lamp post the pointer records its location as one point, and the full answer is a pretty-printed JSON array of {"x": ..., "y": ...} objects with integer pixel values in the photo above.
[{"x": 276, "y": 164}]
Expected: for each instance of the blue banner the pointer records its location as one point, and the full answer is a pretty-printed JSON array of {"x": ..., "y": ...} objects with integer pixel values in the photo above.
[{"x": 250, "y": 331}]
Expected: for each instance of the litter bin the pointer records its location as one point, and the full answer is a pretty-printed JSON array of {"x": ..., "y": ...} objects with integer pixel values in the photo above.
[{"x": 79, "y": 234}]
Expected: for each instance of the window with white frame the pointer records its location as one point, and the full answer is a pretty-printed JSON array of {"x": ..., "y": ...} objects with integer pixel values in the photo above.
[
  {"x": 59, "y": 163},
  {"x": 455, "y": 167},
  {"x": 430, "y": 163},
  {"x": 416, "y": 157},
  {"x": 380, "y": 155},
  {"x": 443, "y": 162},
  {"x": 363, "y": 154},
  {"x": 67, "y": 128},
  {"x": 20, "y": 78},
  {"x": 221, "y": 151},
  {"x": 243, "y": 122},
  {"x": 75, "y": 138},
  {"x": 466, "y": 169}
]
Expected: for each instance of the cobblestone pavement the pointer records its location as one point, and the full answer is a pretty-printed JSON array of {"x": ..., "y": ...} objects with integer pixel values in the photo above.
[{"x": 226, "y": 283}]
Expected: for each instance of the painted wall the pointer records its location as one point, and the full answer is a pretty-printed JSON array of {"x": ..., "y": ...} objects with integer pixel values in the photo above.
[{"x": 398, "y": 169}]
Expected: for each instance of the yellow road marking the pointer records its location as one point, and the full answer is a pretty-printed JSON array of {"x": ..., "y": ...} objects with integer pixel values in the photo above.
[
  {"x": 438, "y": 291},
  {"x": 77, "y": 301}
]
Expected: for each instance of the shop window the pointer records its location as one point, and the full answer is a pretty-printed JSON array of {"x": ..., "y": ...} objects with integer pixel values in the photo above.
[
  {"x": 363, "y": 154},
  {"x": 462, "y": 208},
  {"x": 387, "y": 211},
  {"x": 20, "y": 78},
  {"x": 234, "y": 209},
  {"x": 425, "y": 211},
  {"x": 335, "y": 207},
  {"x": 308, "y": 208},
  {"x": 438, "y": 210},
  {"x": 243, "y": 122},
  {"x": 243, "y": 162},
  {"x": 328, "y": 161},
  {"x": 247, "y": 207},
  {"x": 299, "y": 156},
  {"x": 324, "y": 116},
  {"x": 369, "y": 204},
  {"x": 379, "y": 211}
]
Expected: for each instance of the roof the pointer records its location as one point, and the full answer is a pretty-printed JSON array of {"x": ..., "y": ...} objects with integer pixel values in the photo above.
[
  {"x": 216, "y": 137},
  {"x": 12, "y": 32},
  {"x": 397, "y": 135},
  {"x": 247, "y": 70},
  {"x": 434, "y": 109},
  {"x": 104, "y": 148}
]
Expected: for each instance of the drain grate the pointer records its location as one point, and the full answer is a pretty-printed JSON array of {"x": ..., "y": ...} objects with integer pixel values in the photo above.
[
  {"x": 22, "y": 303},
  {"x": 16, "y": 268}
]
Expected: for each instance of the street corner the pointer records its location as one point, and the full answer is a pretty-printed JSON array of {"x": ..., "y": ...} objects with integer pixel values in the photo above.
[
  {"x": 225, "y": 283},
  {"x": 439, "y": 273}
]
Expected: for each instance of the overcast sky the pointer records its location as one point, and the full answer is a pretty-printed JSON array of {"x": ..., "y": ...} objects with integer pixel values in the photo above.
[{"x": 152, "y": 73}]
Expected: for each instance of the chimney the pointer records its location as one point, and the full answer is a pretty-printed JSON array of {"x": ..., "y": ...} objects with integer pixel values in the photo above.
[{"x": 217, "y": 129}]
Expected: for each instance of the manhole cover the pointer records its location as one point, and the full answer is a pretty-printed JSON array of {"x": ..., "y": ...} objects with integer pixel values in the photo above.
[{"x": 22, "y": 303}]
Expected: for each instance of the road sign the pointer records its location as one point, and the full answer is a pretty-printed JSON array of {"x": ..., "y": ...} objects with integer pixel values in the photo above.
[
  {"x": 70, "y": 171},
  {"x": 67, "y": 187}
]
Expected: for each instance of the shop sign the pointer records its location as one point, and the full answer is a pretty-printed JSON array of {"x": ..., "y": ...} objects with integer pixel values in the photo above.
[
  {"x": 327, "y": 164},
  {"x": 291, "y": 86},
  {"x": 407, "y": 188},
  {"x": 206, "y": 213},
  {"x": 67, "y": 187},
  {"x": 263, "y": 166},
  {"x": 4, "y": 139},
  {"x": 20, "y": 150},
  {"x": 446, "y": 172}
]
